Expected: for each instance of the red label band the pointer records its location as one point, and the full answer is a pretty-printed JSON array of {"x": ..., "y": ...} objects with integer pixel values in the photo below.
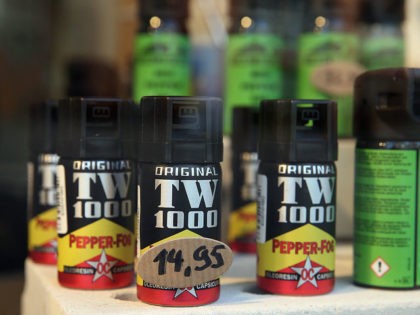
[
  {"x": 77, "y": 281},
  {"x": 244, "y": 247},
  {"x": 178, "y": 297},
  {"x": 298, "y": 280},
  {"x": 289, "y": 287},
  {"x": 48, "y": 258},
  {"x": 101, "y": 272}
]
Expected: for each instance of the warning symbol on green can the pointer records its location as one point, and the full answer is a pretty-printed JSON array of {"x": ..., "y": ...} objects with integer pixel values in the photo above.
[{"x": 379, "y": 267}]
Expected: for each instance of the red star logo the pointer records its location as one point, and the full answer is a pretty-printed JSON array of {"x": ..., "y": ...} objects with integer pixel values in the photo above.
[
  {"x": 307, "y": 273},
  {"x": 102, "y": 267}
]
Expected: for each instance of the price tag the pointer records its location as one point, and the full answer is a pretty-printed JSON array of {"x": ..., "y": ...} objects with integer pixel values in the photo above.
[
  {"x": 185, "y": 262},
  {"x": 336, "y": 77}
]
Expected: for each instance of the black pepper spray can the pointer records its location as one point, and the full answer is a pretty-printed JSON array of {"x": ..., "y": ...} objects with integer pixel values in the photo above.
[
  {"x": 42, "y": 184},
  {"x": 179, "y": 183},
  {"x": 387, "y": 177},
  {"x": 96, "y": 184},
  {"x": 243, "y": 215},
  {"x": 296, "y": 196}
]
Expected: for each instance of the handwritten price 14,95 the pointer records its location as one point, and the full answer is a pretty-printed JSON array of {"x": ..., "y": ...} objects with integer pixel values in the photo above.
[{"x": 185, "y": 262}]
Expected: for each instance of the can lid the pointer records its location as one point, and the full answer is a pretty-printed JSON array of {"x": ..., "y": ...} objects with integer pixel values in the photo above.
[
  {"x": 96, "y": 128},
  {"x": 178, "y": 129},
  {"x": 43, "y": 127},
  {"x": 245, "y": 129},
  {"x": 298, "y": 131},
  {"x": 387, "y": 104}
]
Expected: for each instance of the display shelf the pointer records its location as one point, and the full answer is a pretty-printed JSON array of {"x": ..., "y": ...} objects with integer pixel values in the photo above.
[{"x": 239, "y": 295}]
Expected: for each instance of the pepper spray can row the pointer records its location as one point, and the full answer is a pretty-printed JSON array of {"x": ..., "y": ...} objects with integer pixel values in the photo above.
[
  {"x": 243, "y": 216},
  {"x": 96, "y": 185},
  {"x": 386, "y": 213},
  {"x": 296, "y": 196},
  {"x": 42, "y": 187},
  {"x": 179, "y": 184}
]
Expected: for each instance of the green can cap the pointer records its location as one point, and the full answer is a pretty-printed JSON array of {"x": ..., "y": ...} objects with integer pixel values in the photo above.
[{"x": 296, "y": 130}]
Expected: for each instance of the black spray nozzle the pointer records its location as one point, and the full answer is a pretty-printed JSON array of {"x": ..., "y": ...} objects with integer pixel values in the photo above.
[
  {"x": 180, "y": 129},
  {"x": 96, "y": 128},
  {"x": 43, "y": 127},
  {"x": 298, "y": 131},
  {"x": 382, "y": 11},
  {"x": 245, "y": 129},
  {"x": 387, "y": 104}
]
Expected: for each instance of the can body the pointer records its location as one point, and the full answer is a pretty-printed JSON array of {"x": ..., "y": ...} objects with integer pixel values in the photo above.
[
  {"x": 243, "y": 86},
  {"x": 42, "y": 208},
  {"x": 296, "y": 227},
  {"x": 177, "y": 201},
  {"x": 386, "y": 214},
  {"x": 243, "y": 218},
  {"x": 95, "y": 223}
]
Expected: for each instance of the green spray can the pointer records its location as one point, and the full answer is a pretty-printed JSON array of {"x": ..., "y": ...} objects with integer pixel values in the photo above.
[
  {"x": 328, "y": 56},
  {"x": 386, "y": 214},
  {"x": 253, "y": 68},
  {"x": 381, "y": 33},
  {"x": 162, "y": 49}
]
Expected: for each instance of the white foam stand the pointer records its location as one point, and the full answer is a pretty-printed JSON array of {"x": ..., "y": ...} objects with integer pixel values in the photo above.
[{"x": 239, "y": 295}]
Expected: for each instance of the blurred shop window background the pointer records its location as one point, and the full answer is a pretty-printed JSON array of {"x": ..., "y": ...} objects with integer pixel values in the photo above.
[
  {"x": 25, "y": 41},
  {"x": 56, "y": 48}
]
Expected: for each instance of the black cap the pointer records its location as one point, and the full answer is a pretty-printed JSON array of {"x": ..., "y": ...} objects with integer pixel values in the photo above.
[
  {"x": 382, "y": 11},
  {"x": 92, "y": 128},
  {"x": 180, "y": 130},
  {"x": 250, "y": 7},
  {"x": 298, "y": 131},
  {"x": 174, "y": 8},
  {"x": 245, "y": 129},
  {"x": 387, "y": 104},
  {"x": 43, "y": 127},
  {"x": 91, "y": 78}
]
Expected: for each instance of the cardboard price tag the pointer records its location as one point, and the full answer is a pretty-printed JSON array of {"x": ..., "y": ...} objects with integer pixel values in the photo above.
[{"x": 185, "y": 262}]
